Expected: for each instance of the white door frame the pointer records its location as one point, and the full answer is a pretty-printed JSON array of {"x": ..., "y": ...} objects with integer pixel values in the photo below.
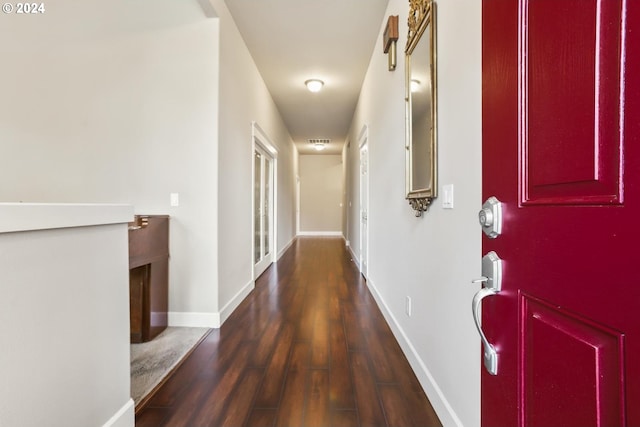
[
  {"x": 363, "y": 143},
  {"x": 346, "y": 191},
  {"x": 297, "y": 205},
  {"x": 260, "y": 141}
]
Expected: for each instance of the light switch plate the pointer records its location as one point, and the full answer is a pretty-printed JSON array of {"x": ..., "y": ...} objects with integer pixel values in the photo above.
[
  {"x": 175, "y": 199},
  {"x": 447, "y": 196}
]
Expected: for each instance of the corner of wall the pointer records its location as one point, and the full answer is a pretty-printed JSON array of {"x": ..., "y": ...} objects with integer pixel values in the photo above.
[
  {"x": 229, "y": 307},
  {"x": 285, "y": 248}
]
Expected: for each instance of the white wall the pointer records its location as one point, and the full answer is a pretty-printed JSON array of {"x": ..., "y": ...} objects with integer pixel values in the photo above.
[
  {"x": 244, "y": 98},
  {"x": 64, "y": 304},
  {"x": 114, "y": 101},
  {"x": 434, "y": 258},
  {"x": 321, "y": 193}
]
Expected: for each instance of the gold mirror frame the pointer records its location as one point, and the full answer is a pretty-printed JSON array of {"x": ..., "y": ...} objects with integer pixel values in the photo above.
[{"x": 420, "y": 144}]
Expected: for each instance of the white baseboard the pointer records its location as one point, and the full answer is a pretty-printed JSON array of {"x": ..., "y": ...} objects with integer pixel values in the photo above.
[
  {"x": 287, "y": 246},
  {"x": 235, "y": 301},
  {"x": 438, "y": 400},
  {"x": 320, "y": 233},
  {"x": 194, "y": 320},
  {"x": 125, "y": 417},
  {"x": 210, "y": 320},
  {"x": 354, "y": 257}
]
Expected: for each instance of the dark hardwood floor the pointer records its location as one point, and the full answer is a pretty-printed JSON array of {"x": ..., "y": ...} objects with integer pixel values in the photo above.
[{"x": 308, "y": 347}]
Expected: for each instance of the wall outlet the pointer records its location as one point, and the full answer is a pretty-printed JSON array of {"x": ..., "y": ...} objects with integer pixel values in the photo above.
[{"x": 407, "y": 306}]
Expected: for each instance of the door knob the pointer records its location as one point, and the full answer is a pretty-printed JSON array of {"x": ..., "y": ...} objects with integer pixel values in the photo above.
[{"x": 490, "y": 217}]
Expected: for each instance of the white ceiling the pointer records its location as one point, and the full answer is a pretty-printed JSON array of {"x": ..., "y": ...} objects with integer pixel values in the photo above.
[{"x": 295, "y": 40}]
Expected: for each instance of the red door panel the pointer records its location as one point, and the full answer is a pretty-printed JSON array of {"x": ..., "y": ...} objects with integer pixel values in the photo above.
[
  {"x": 571, "y": 61},
  {"x": 561, "y": 151},
  {"x": 588, "y": 385}
]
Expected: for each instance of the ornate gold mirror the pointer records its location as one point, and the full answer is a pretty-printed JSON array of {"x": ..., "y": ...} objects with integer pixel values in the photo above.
[{"x": 420, "y": 100}]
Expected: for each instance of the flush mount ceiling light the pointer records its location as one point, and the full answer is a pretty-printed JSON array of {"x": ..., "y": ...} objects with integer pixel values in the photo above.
[
  {"x": 314, "y": 85},
  {"x": 319, "y": 143}
]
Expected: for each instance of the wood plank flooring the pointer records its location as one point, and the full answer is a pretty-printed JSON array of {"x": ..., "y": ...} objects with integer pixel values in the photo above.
[{"x": 308, "y": 347}]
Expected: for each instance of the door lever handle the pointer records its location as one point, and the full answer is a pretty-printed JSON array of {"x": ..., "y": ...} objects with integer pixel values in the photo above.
[
  {"x": 491, "y": 280},
  {"x": 490, "y": 353}
]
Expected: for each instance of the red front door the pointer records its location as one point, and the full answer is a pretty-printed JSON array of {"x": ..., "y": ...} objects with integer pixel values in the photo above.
[{"x": 561, "y": 151}]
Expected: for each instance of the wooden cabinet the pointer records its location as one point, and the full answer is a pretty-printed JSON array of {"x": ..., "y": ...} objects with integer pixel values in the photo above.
[{"x": 148, "y": 276}]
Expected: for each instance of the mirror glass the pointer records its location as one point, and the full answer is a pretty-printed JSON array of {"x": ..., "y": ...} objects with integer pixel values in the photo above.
[
  {"x": 420, "y": 106},
  {"x": 420, "y": 93}
]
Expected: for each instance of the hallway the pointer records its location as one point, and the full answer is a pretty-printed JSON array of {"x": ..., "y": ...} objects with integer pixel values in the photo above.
[{"x": 308, "y": 347}]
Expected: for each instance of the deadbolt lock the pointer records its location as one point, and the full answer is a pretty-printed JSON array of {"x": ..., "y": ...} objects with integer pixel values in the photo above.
[{"x": 490, "y": 217}]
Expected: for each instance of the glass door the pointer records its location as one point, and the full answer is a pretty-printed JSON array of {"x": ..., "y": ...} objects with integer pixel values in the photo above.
[{"x": 263, "y": 210}]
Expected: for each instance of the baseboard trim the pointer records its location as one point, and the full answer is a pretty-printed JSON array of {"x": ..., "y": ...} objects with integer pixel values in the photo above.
[
  {"x": 235, "y": 301},
  {"x": 286, "y": 247},
  {"x": 354, "y": 258},
  {"x": 439, "y": 402},
  {"x": 210, "y": 320},
  {"x": 320, "y": 233},
  {"x": 125, "y": 417},
  {"x": 194, "y": 320}
]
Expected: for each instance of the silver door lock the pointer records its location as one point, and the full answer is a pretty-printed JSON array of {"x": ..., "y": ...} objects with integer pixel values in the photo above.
[{"x": 490, "y": 217}]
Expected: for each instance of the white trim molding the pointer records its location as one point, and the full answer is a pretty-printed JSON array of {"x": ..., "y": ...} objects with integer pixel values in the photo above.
[
  {"x": 354, "y": 258},
  {"x": 320, "y": 233},
  {"x": 210, "y": 320},
  {"x": 259, "y": 138},
  {"x": 437, "y": 398},
  {"x": 230, "y": 306},
  {"x": 125, "y": 417},
  {"x": 364, "y": 200},
  {"x": 194, "y": 320},
  {"x": 286, "y": 247}
]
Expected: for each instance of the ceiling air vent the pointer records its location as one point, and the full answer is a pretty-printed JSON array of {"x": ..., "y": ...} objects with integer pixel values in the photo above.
[{"x": 319, "y": 143}]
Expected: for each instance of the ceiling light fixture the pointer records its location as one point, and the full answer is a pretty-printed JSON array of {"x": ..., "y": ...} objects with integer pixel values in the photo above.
[
  {"x": 314, "y": 85},
  {"x": 319, "y": 144}
]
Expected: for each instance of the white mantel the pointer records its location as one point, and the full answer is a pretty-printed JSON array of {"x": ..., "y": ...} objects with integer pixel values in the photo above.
[{"x": 64, "y": 315}]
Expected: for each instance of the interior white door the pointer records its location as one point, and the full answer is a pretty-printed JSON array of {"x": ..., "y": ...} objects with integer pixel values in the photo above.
[
  {"x": 364, "y": 208},
  {"x": 263, "y": 210}
]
